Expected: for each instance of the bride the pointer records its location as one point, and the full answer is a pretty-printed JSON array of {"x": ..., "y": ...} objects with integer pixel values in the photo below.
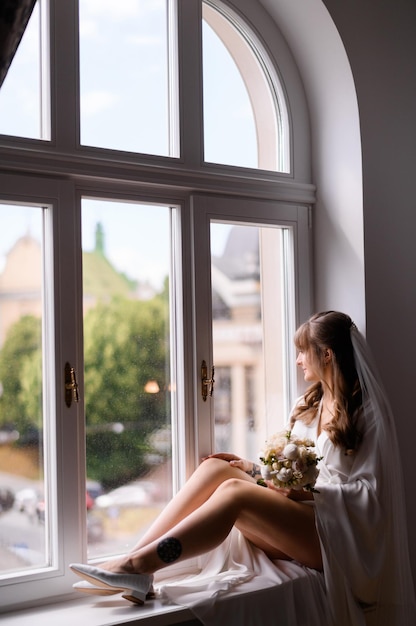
[{"x": 352, "y": 528}]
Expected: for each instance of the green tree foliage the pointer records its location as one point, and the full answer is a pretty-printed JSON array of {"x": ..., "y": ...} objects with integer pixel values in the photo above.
[
  {"x": 21, "y": 375},
  {"x": 125, "y": 346}
]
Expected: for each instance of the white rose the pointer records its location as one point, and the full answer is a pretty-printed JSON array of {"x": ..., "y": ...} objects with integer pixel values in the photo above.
[
  {"x": 284, "y": 475},
  {"x": 291, "y": 451},
  {"x": 265, "y": 472}
]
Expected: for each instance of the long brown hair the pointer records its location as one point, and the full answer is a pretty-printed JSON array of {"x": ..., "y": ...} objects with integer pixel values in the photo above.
[{"x": 332, "y": 330}]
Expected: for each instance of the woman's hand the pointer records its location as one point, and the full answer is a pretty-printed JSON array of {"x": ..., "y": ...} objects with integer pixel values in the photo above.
[
  {"x": 233, "y": 460},
  {"x": 292, "y": 494}
]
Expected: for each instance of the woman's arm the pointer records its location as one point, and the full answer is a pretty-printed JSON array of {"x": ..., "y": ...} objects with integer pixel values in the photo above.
[
  {"x": 250, "y": 468},
  {"x": 253, "y": 470}
]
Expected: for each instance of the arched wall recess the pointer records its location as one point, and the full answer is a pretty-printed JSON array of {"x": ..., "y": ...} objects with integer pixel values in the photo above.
[{"x": 336, "y": 152}]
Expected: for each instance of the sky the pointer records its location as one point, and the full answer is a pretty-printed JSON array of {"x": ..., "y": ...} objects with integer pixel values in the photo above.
[
  {"x": 124, "y": 107},
  {"x": 142, "y": 251}
]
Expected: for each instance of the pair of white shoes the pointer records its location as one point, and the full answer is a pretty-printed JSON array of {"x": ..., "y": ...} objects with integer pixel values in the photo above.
[{"x": 133, "y": 587}]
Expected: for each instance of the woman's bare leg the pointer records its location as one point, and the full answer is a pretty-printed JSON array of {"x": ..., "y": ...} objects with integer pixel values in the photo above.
[
  {"x": 200, "y": 486},
  {"x": 287, "y": 526}
]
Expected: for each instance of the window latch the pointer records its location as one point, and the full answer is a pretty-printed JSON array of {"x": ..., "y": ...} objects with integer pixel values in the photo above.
[
  {"x": 71, "y": 385},
  {"x": 207, "y": 384}
]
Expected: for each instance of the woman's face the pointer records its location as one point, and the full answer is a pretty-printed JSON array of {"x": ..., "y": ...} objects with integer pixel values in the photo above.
[{"x": 306, "y": 362}]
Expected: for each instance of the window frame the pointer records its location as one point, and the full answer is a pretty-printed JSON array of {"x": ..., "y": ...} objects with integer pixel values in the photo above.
[
  {"x": 296, "y": 219},
  {"x": 59, "y": 170},
  {"x": 66, "y": 423}
]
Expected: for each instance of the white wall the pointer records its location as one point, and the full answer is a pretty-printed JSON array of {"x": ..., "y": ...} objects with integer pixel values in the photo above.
[
  {"x": 336, "y": 153},
  {"x": 380, "y": 40},
  {"x": 358, "y": 63}
]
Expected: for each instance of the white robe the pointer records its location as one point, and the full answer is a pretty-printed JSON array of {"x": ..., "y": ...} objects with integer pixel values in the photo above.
[
  {"x": 350, "y": 526},
  {"x": 354, "y": 536},
  {"x": 255, "y": 589}
]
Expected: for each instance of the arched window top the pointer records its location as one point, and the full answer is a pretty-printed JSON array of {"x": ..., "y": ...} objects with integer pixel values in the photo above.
[
  {"x": 246, "y": 119},
  {"x": 197, "y": 86}
]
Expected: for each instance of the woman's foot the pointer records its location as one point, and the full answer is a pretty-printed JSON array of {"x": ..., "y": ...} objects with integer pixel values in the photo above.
[
  {"x": 134, "y": 586},
  {"x": 97, "y": 590}
]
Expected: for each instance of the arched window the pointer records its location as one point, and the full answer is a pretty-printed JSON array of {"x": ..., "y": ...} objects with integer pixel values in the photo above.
[
  {"x": 172, "y": 156},
  {"x": 128, "y": 75},
  {"x": 245, "y": 112}
]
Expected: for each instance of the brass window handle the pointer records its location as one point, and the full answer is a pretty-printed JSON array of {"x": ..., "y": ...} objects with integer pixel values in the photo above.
[
  {"x": 207, "y": 384},
  {"x": 71, "y": 385}
]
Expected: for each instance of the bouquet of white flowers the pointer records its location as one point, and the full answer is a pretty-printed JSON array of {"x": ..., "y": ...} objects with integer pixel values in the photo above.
[{"x": 290, "y": 462}]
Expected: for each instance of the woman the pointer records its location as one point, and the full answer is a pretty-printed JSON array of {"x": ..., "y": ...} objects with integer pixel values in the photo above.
[{"x": 348, "y": 532}]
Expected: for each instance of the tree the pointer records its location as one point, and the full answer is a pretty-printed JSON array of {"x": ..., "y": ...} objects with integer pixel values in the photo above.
[
  {"x": 125, "y": 347},
  {"x": 21, "y": 368}
]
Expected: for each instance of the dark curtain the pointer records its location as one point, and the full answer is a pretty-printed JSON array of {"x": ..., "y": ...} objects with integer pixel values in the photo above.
[{"x": 14, "y": 16}]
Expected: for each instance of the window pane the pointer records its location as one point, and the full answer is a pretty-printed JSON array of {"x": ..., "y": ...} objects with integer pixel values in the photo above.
[
  {"x": 23, "y": 516},
  {"x": 246, "y": 121},
  {"x": 124, "y": 75},
  {"x": 128, "y": 375},
  {"x": 249, "y": 299},
  {"x": 229, "y": 129},
  {"x": 20, "y": 94}
]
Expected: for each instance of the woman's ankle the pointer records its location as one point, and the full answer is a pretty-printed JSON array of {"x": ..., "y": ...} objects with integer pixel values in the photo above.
[{"x": 129, "y": 566}]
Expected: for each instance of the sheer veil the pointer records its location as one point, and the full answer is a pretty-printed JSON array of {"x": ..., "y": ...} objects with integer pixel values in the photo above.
[
  {"x": 396, "y": 598},
  {"x": 361, "y": 523}
]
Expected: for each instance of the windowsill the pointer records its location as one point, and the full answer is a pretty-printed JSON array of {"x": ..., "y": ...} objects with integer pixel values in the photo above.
[
  {"x": 96, "y": 611},
  {"x": 263, "y": 596}
]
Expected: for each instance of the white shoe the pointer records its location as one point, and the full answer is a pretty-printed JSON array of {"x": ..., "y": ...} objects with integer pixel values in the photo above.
[
  {"x": 134, "y": 586},
  {"x": 85, "y": 587}
]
